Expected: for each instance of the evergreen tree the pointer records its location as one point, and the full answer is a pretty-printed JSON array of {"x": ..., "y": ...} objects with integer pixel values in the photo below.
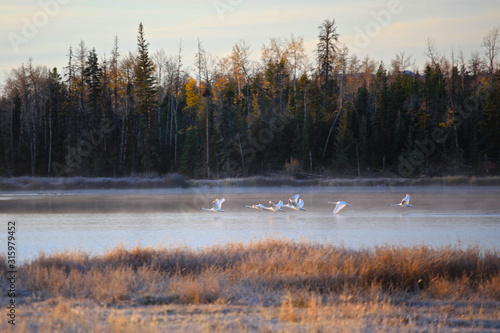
[
  {"x": 93, "y": 80},
  {"x": 145, "y": 92},
  {"x": 345, "y": 145},
  {"x": 384, "y": 120},
  {"x": 326, "y": 49},
  {"x": 56, "y": 119},
  {"x": 254, "y": 117},
  {"x": 491, "y": 122}
]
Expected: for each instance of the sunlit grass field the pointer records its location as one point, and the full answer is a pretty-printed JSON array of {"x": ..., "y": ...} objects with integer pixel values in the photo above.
[{"x": 272, "y": 285}]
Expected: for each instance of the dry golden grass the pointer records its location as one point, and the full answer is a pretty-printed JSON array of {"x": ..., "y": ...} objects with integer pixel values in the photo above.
[
  {"x": 264, "y": 270},
  {"x": 283, "y": 285}
]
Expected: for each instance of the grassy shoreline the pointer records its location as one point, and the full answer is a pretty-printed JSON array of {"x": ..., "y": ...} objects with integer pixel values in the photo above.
[
  {"x": 178, "y": 181},
  {"x": 269, "y": 285}
]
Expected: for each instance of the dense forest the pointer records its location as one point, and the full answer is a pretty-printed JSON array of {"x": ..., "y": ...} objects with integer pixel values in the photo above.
[{"x": 328, "y": 113}]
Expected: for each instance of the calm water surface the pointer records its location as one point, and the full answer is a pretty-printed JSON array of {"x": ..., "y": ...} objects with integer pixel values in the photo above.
[{"x": 96, "y": 220}]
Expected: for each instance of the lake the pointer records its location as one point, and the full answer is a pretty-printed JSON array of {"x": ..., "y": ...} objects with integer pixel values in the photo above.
[{"x": 96, "y": 220}]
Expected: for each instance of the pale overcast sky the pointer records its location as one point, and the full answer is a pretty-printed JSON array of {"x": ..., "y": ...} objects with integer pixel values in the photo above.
[{"x": 45, "y": 29}]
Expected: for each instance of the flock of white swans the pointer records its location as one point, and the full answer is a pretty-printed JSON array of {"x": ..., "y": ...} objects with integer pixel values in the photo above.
[{"x": 296, "y": 204}]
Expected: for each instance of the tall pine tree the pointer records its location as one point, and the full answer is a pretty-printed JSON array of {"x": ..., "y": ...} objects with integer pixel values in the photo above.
[
  {"x": 145, "y": 91},
  {"x": 93, "y": 80},
  {"x": 326, "y": 48}
]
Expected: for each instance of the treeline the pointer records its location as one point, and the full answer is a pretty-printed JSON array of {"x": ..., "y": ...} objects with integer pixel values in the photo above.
[{"x": 142, "y": 113}]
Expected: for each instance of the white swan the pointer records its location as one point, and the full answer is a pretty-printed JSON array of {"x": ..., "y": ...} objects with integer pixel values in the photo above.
[
  {"x": 339, "y": 205},
  {"x": 294, "y": 204},
  {"x": 275, "y": 207},
  {"x": 405, "y": 202},
  {"x": 294, "y": 199},
  {"x": 217, "y": 205}
]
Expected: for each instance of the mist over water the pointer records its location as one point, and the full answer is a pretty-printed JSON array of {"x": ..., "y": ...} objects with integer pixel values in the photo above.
[{"x": 96, "y": 220}]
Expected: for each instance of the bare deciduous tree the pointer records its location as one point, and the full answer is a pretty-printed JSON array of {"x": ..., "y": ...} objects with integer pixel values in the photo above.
[
  {"x": 401, "y": 63},
  {"x": 432, "y": 52},
  {"x": 475, "y": 63},
  {"x": 491, "y": 42},
  {"x": 297, "y": 56}
]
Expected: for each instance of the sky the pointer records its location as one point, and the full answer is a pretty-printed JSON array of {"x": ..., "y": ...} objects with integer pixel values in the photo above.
[{"x": 44, "y": 30}]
